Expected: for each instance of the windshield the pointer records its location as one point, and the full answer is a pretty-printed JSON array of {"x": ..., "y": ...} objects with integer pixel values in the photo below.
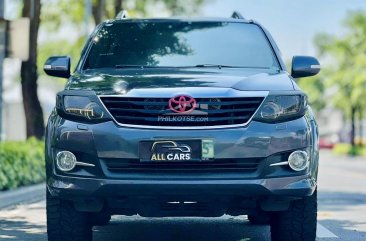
[{"x": 180, "y": 44}]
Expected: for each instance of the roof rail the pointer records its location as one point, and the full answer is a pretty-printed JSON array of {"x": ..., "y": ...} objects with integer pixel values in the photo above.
[
  {"x": 237, "y": 15},
  {"x": 122, "y": 15}
]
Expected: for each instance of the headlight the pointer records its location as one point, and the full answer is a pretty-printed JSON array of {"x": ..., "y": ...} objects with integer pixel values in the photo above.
[
  {"x": 282, "y": 108},
  {"x": 80, "y": 106}
]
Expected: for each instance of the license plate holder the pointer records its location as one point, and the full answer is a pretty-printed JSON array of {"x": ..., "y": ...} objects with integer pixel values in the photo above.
[{"x": 176, "y": 150}]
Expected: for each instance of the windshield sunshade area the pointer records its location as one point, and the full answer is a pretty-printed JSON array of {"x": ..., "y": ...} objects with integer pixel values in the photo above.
[{"x": 180, "y": 44}]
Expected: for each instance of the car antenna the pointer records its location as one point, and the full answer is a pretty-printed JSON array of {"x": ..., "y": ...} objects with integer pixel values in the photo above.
[
  {"x": 237, "y": 15},
  {"x": 122, "y": 15}
]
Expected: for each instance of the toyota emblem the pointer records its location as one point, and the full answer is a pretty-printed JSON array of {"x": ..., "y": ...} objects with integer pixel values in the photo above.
[{"x": 182, "y": 104}]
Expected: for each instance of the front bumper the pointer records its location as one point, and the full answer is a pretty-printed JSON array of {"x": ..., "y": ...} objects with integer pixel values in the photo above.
[
  {"x": 73, "y": 187},
  {"x": 98, "y": 188},
  {"x": 161, "y": 198}
]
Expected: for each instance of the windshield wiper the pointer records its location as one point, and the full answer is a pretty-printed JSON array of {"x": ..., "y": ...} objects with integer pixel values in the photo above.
[
  {"x": 230, "y": 66},
  {"x": 214, "y": 66},
  {"x": 126, "y": 66}
]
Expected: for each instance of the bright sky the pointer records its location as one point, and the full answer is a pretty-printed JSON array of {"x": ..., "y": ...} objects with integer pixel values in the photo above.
[{"x": 292, "y": 23}]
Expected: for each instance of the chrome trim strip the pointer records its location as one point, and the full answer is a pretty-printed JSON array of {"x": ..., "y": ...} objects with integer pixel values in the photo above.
[
  {"x": 84, "y": 164},
  {"x": 279, "y": 164},
  {"x": 263, "y": 94},
  {"x": 191, "y": 91}
]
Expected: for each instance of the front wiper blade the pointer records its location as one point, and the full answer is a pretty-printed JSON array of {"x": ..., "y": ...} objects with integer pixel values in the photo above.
[
  {"x": 126, "y": 66},
  {"x": 214, "y": 66},
  {"x": 230, "y": 66}
]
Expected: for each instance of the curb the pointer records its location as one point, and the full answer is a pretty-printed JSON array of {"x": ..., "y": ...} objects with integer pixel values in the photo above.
[{"x": 26, "y": 194}]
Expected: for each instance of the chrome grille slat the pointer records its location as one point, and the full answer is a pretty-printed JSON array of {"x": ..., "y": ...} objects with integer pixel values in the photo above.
[
  {"x": 156, "y": 118},
  {"x": 113, "y": 110},
  {"x": 142, "y": 103}
]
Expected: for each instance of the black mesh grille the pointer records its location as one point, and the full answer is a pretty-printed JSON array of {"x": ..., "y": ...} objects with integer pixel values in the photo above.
[
  {"x": 156, "y": 112},
  {"x": 219, "y": 165}
]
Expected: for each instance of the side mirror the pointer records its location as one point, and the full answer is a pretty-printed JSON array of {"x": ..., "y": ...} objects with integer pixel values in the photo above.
[
  {"x": 304, "y": 66},
  {"x": 58, "y": 66}
]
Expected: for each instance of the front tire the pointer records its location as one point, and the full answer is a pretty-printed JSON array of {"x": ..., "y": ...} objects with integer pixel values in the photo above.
[
  {"x": 64, "y": 223},
  {"x": 298, "y": 222}
]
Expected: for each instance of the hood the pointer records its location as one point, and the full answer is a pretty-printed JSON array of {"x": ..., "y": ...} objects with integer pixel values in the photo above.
[{"x": 112, "y": 82}]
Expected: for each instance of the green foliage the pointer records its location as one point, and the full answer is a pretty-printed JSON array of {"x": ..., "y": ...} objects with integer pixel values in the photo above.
[
  {"x": 346, "y": 74},
  {"x": 56, "y": 13},
  {"x": 172, "y": 7},
  {"x": 21, "y": 163},
  {"x": 347, "y": 149},
  {"x": 314, "y": 87},
  {"x": 64, "y": 47},
  {"x": 64, "y": 19}
]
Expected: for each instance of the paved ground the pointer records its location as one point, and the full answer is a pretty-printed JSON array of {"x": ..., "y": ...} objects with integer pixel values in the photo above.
[{"x": 342, "y": 209}]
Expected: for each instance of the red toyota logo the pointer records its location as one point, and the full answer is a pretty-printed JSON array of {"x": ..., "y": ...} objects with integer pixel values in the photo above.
[{"x": 182, "y": 104}]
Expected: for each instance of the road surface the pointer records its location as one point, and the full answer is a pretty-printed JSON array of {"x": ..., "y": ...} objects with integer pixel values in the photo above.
[{"x": 342, "y": 215}]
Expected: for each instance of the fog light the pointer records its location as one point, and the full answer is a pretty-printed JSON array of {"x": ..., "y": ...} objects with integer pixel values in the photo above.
[
  {"x": 298, "y": 160},
  {"x": 65, "y": 161}
]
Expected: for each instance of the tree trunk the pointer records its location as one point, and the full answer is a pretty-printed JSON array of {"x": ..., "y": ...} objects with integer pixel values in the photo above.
[
  {"x": 360, "y": 125},
  {"x": 98, "y": 11},
  {"x": 353, "y": 128},
  {"x": 118, "y": 6},
  {"x": 29, "y": 76}
]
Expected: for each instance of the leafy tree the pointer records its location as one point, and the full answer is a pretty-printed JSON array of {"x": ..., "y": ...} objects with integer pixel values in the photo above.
[
  {"x": 347, "y": 73},
  {"x": 72, "y": 11},
  {"x": 315, "y": 89},
  {"x": 59, "y": 13}
]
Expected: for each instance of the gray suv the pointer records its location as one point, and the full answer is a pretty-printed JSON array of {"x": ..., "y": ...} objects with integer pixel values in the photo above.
[{"x": 181, "y": 117}]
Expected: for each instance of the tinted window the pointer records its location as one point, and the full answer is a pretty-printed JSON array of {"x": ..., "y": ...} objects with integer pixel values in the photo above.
[{"x": 179, "y": 43}]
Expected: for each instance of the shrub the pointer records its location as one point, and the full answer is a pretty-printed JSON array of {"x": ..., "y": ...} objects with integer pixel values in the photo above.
[
  {"x": 21, "y": 163},
  {"x": 346, "y": 149}
]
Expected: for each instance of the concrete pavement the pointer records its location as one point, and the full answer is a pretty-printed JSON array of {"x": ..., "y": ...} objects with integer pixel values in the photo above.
[
  {"x": 27, "y": 194},
  {"x": 342, "y": 208}
]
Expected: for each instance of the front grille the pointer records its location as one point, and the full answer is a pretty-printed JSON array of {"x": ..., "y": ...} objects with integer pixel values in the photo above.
[
  {"x": 156, "y": 112},
  {"x": 218, "y": 165}
]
